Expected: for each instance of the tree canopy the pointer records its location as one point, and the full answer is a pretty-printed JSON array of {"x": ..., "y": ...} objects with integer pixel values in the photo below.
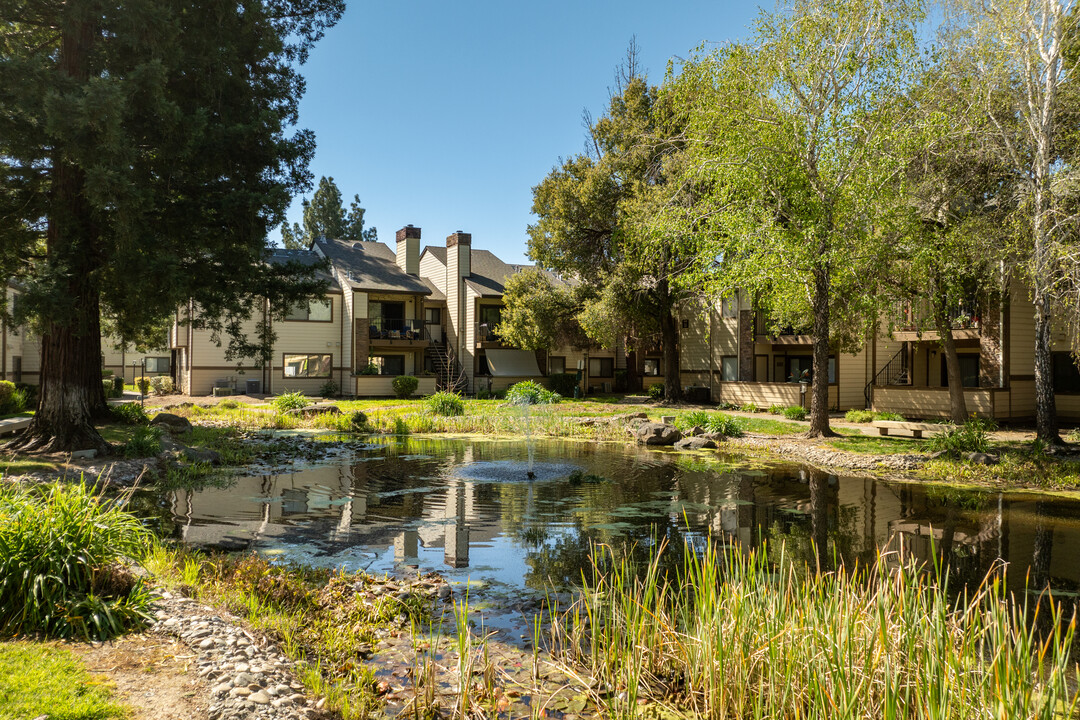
[
  {"x": 324, "y": 216},
  {"x": 146, "y": 150}
]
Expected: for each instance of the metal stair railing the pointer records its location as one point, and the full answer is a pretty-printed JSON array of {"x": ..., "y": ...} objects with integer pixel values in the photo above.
[{"x": 893, "y": 371}]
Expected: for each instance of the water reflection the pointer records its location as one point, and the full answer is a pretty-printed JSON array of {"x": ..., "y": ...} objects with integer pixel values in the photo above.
[{"x": 443, "y": 505}]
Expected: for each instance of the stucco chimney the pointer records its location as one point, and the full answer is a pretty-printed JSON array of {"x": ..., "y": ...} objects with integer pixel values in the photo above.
[
  {"x": 459, "y": 254},
  {"x": 408, "y": 249}
]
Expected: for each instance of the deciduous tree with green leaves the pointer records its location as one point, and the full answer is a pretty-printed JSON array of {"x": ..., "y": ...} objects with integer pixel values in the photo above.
[
  {"x": 789, "y": 146},
  {"x": 541, "y": 312},
  {"x": 145, "y": 152},
  {"x": 324, "y": 216}
]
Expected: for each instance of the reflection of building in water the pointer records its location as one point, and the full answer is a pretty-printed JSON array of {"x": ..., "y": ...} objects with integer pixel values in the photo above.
[
  {"x": 456, "y": 539},
  {"x": 406, "y": 546}
]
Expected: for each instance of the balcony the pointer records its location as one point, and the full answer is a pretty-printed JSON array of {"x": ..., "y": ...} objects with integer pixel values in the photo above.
[
  {"x": 787, "y": 335},
  {"x": 964, "y": 323},
  {"x": 487, "y": 336},
  {"x": 395, "y": 332}
]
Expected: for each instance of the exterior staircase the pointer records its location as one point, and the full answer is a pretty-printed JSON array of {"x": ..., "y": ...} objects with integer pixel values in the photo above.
[{"x": 449, "y": 374}]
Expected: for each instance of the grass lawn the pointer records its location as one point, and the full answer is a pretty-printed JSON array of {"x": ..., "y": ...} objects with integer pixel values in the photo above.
[
  {"x": 45, "y": 679},
  {"x": 879, "y": 445}
]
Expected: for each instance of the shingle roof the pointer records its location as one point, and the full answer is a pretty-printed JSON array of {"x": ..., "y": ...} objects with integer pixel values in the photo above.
[
  {"x": 437, "y": 295},
  {"x": 370, "y": 266},
  {"x": 306, "y": 258},
  {"x": 489, "y": 273}
]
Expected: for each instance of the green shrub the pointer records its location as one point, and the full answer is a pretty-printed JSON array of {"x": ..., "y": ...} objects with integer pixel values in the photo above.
[
  {"x": 725, "y": 425},
  {"x": 748, "y": 408},
  {"x": 656, "y": 392},
  {"x": 776, "y": 409},
  {"x": 972, "y": 436},
  {"x": 528, "y": 392},
  {"x": 447, "y": 404},
  {"x": 405, "y": 386},
  {"x": 289, "y": 401},
  {"x": 401, "y": 427},
  {"x": 483, "y": 394},
  {"x": 563, "y": 383},
  {"x": 889, "y": 416},
  {"x": 795, "y": 412},
  {"x": 369, "y": 369},
  {"x": 228, "y": 404},
  {"x": 698, "y": 418},
  {"x": 161, "y": 384},
  {"x": 329, "y": 389},
  {"x": 859, "y": 416},
  {"x": 106, "y": 374},
  {"x": 11, "y": 400},
  {"x": 108, "y": 387},
  {"x": 63, "y": 564},
  {"x": 359, "y": 422},
  {"x": 129, "y": 414},
  {"x": 146, "y": 442},
  {"x": 142, "y": 384}
]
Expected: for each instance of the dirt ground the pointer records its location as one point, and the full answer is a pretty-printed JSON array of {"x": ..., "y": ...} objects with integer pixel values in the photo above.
[{"x": 151, "y": 674}]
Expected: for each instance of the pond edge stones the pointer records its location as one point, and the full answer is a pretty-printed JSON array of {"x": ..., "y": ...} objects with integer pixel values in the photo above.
[
  {"x": 247, "y": 676},
  {"x": 653, "y": 433}
]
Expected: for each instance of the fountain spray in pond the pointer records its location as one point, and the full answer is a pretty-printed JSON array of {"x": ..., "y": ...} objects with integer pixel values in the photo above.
[{"x": 525, "y": 404}]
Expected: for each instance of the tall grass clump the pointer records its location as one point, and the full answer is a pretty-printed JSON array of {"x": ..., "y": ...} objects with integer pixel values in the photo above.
[
  {"x": 725, "y": 425},
  {"x": 289, "y": 401},
  {"x": 745, "y": 635},
  {"x": 972, "y": 436},
  {"x": 64, "y": 556},
  {"x": 145, "y": 442},
  {"x": 446, "y": 404},
  {"x": 129, "y": 414},
  {"x": 530, "y": 392},
  {"x": 698, "y": 418},
  {"x": 795, "y": 412}
]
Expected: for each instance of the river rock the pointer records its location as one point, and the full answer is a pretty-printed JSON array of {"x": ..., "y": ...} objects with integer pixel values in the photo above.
[
  {"x": 695, "y": 443},
  {"x": 657, "y": 434},
  {"x": 171, "y": 423},
  {"x": 315, "y": 410}
]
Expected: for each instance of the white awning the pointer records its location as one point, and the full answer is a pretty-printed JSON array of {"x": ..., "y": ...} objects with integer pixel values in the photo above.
[{"x": 513, "y": 363}]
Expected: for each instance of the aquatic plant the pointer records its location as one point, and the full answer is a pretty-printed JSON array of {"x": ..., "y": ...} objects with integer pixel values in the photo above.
[
  {"x": 972, "y": 436},
  {"x": 529, "y": 392},
  {"x": 64, "y": 552},
  {"x": 447, "y": 404},
  {"x": 749, "y": 633},
  {"x": 289, "y": 401}
]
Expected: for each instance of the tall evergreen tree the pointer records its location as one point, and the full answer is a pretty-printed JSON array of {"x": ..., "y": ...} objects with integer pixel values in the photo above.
[
  {"x": 325, "y": 216},
  {"x": 145, "y": 152}
]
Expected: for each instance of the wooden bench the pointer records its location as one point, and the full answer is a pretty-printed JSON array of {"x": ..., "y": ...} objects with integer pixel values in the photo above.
[{"x": 916, "y": 429}]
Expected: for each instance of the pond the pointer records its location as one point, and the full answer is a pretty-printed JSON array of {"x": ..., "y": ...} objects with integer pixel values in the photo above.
[{"x": 469, "y": 510}]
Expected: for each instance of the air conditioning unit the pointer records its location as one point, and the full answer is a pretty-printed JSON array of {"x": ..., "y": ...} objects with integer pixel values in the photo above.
[{"x": 607, "y": 386}]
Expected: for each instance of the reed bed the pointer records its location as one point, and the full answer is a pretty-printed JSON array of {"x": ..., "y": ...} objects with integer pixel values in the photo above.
[{"x": 737, "y": 635}]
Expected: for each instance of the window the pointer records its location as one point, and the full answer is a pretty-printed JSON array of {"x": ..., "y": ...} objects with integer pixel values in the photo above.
[
  {"x": 312, "y": 311},
  {"x": 729, "y": 369},
  {"x": 729, "y": 307},
  {"x": 556, "y": 365},
  {"x": 157, "y": 364},
  {"x": 490, "y": 315},
  {"x": 482, "y": 367},
  {"x": 651, "y": 367},
  {"x": 602, "y": 367},
  {"x": 686, "y": 324},
  {"x": 307, "y": 366},
  {"x": 433, "y": 316},
  {"x": 800, "y": 368},
  {"x": 1066, "y": 374},
  {"x": 389, "y": 364},
  {"x": 969, "y": 371}
]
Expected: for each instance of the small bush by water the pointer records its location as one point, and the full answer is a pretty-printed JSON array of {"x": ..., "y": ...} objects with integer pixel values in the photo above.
[
  {"x": 63, "y": 564},
  {"x": 725, "y": 425},
  {"x": 446, "y": 404},
  {"x": 529, "y": 392},
  {"x": 289, "y": 401},
  {"x": 972, "y": 436}
]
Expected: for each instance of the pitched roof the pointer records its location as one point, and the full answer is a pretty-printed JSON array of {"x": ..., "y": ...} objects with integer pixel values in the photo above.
[
  {"x": 370, "y": 267},
  {"x": 437, "y": 295},
  {"x": 279, "y": 256},
  {"x": 489, "y": 273}
]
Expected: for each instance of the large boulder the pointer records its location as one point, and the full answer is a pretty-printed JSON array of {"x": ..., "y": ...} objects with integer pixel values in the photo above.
[
  {"x": 171, "y": 423},
  {"x": 695, "y": 443},
  {"x": 657, "y": 434}
]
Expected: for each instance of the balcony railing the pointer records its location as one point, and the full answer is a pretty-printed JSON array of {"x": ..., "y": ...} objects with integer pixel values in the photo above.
[
  {"x": 397, "y": 329},
  {"x": 487, "y": 333}
]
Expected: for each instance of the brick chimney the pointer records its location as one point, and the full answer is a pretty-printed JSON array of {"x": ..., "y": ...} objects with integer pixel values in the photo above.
[
  {"x": 459, "y": 254},
  {"x": 408, "y": 249}
]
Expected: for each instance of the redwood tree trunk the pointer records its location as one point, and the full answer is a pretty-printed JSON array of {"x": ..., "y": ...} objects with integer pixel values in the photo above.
[
  {"x": 819, "y": 385},
  {"x": 71, "y": 393}
]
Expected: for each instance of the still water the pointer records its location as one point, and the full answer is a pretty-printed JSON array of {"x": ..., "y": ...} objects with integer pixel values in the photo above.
[{"x": 470, "y": 511}]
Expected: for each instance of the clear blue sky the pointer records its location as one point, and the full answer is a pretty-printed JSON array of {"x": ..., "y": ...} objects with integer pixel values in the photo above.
[{"x": 445, "y": 115}]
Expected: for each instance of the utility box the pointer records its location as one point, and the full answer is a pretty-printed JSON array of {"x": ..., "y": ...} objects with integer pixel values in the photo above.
[{"x": 253, "y": 387}]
